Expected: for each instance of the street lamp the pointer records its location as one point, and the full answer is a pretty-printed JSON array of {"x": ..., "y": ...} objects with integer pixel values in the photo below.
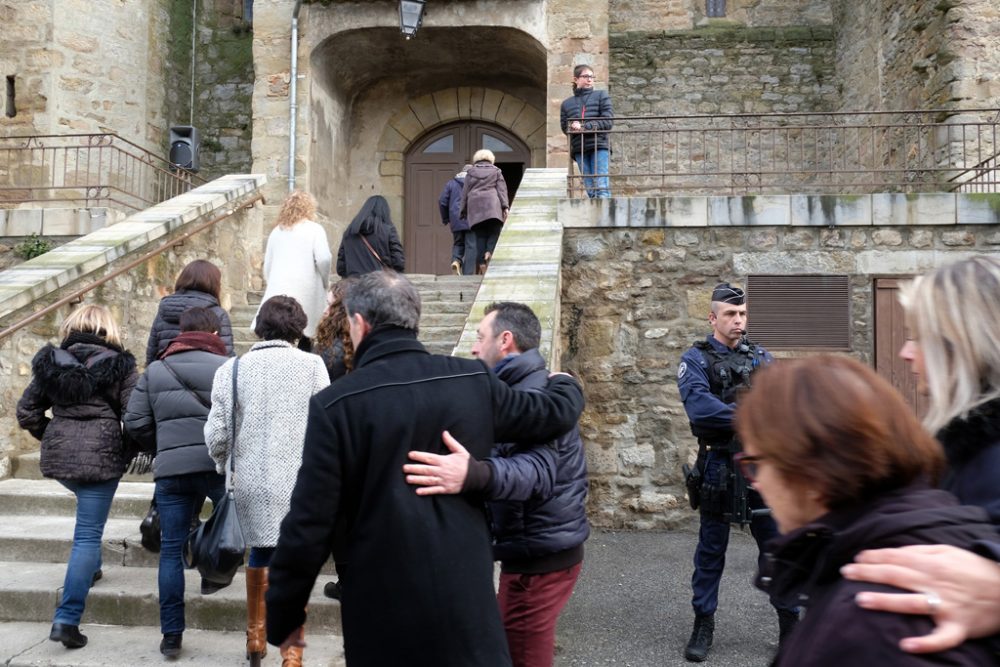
[{"x": 411, "y": 15}]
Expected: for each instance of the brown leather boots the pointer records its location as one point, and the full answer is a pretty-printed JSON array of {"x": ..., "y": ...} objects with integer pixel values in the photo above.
[{"x": 256, "y": 622}]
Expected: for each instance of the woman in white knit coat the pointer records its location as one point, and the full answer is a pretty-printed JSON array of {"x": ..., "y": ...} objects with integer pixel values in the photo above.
[
  {"x": 297, "y": 260},
  {"x": 274, "y": 384}
]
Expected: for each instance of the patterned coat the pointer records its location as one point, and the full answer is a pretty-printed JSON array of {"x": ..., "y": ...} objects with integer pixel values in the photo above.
[{"x": 274, "y": 384}]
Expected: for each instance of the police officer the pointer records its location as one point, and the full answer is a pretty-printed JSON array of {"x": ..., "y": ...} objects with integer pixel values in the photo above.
[{"x": 710, "y": 375}]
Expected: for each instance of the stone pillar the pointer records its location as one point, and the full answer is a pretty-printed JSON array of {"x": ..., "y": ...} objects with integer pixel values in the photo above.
[{"x": 577, "y": 34}]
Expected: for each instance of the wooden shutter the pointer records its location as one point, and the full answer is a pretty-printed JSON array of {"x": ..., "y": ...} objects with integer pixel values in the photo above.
[{"x": 800, "y": 312}]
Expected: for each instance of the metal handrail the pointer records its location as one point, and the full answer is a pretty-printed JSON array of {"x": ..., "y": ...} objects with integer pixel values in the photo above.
[
  {"x": 92, "y": 169},
  {"x": 836, "y": 152},
  {"x": 77, "y": 295}
]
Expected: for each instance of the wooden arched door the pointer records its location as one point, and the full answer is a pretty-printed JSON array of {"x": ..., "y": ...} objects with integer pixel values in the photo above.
[{"x": 431, "y": 162}]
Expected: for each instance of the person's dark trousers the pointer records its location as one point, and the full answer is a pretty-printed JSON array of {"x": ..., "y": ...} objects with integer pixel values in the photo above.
[
  {"x": 93, "y": 503},
  {"x": 530, "y": 605},
  {"x": 487, "y": 233},
  {"x": 177, "y": 497},
  {"x": 713, "y": 539},
  {"x": 468, "y": 256},
  {"x": 458, "y": 245}
]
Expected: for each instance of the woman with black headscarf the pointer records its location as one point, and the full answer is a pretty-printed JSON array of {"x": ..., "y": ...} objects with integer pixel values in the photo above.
[{"x": 370, "y": 242}]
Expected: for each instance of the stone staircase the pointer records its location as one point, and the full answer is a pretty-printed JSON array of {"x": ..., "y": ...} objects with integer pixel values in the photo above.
[
  {"x": 445, "y": 305},
  {"x": 122, "y": 614}
]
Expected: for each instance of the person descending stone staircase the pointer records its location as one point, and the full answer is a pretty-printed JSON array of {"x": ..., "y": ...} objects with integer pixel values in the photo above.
[{"x": 122, "y": 614}]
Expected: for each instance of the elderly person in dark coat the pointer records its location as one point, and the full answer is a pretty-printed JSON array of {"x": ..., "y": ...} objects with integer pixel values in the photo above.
[
  {"x": 198, "y": 285},
  {"x": 418, "y": 571},
  {"x": 845, "y": 467},
  {"x": 166, "y": 413},
  {"x": 485, "y": 204},
  {"x": 86, "y": 382},
  {"x": 463, "y": 249}
]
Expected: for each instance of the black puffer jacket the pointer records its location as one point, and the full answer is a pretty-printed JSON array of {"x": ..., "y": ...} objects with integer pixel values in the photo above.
[
  {"x": 594, "y": 107},
  {"x": 804, "y": 566},
  {"x": 544, "y": 532},
  {"x": 167, "y": 411},
  {"x": 86, "y": 382},
  {"x": 972, "y": 447},
  {"x": 167, "y": 325}
]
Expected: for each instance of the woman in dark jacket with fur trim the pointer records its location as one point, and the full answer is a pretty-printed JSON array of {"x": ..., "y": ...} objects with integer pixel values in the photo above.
[
  {"x": 86, "y": 382},
  {"x": 845, "y": 466},
  {"x": 199, "y": 284},
  {"x": 955, "y": 354}
]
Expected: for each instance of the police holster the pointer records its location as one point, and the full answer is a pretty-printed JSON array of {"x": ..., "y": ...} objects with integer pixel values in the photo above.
[{"x": 694, "y": 477}]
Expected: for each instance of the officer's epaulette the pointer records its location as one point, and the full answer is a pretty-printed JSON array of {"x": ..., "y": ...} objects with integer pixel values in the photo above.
[{"x": 702, "y": 344}]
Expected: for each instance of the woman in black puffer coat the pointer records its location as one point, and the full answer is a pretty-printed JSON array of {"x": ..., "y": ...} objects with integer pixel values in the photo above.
[
  {"x": 86, "y": 382},
  {"x": 198, "y": 285}
]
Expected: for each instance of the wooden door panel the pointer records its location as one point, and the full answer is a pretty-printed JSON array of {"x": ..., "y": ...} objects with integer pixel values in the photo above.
[{"x": 890, "y": 335}]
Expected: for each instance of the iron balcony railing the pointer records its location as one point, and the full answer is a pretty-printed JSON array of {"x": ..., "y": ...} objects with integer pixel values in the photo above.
[
  {"x": 86, "y": 170},
  {"x": 954, "y": 150}
]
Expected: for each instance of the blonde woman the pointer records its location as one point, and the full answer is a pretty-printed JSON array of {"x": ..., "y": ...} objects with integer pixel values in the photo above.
[
  {"x": 86, "y": 382},
  {"x": 297, "y": 260},
  {"x": 485, "y": 204},
  {"x": 954, "y": 351}
]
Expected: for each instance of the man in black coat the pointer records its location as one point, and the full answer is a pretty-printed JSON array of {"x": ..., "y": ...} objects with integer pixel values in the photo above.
[
  {"x": 539, "y": 494},
  {"x": 417, "y": 572}
]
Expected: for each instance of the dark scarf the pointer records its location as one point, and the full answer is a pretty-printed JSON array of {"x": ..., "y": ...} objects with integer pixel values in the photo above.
[
  {"x": 87, "y": 338},
  {"x": 962, "y": 439},
  {"x": 195, "y": 340}
]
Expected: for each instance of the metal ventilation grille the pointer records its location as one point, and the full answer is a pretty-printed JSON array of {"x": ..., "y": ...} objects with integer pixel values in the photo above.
[{"x": 800, "y": 312}]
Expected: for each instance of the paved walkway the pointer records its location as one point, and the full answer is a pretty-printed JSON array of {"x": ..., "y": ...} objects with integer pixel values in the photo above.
[
  {"x": 632, "y": 605},
  {"x": 631, "y": 609}
]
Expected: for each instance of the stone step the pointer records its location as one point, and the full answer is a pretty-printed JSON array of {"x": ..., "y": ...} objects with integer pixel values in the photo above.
[
  {"x": 24, "y": 644},
  {"x": 49, "y": 538},
  {"x": 29, "y": 591},
  {"x": 25, "y": 466},
  {"x": 48, "y": 498}
]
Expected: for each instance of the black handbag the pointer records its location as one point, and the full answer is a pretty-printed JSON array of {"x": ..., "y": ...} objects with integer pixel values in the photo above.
[
  {"x": 217, "y": 546},
  {"x": 150, "y": 528}
]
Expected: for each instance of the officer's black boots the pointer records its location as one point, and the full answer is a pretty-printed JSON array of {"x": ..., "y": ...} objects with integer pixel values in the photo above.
[
  {"x": 786, "y": 623},
  {"x": 701, "y": 638}
]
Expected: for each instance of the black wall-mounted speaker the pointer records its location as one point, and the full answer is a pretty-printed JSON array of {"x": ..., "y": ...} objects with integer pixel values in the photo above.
[{"x": 184, "y": 146}]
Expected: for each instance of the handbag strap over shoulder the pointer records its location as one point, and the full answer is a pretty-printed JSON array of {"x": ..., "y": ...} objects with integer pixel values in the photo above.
[
  {"x": 232, "y": 449},
  {"x": 363, "y": 238},
  {"x": 184, "y": 385}
]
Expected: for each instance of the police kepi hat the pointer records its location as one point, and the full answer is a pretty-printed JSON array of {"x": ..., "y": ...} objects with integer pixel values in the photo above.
[{"x": 726, "y": 293}]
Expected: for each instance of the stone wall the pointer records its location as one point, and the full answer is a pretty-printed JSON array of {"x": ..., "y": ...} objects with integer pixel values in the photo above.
[
  {"x": 685, "y": 14},
  {"x": 634, "y": 299},
  {"x": 918, "y": 54},
  {"x": 85, "y": 66},
  {"x": 224, "y": 88},
  {"x": 722, "y": 70}
]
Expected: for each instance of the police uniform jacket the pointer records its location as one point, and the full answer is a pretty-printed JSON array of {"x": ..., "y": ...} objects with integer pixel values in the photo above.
[
  {"x": 804, "y": 566},
  {"x": 706, "y": 411},
  {"x": 417, "y": 570}
]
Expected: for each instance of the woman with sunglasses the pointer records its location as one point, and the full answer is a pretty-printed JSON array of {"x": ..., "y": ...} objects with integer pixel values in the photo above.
[
  {"x": 845, "y": 466},
  {"x": 586, "y": 117}
]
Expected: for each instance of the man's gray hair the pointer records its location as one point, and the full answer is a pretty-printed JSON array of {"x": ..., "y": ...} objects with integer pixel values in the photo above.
[{"x": 384, "y": 298}]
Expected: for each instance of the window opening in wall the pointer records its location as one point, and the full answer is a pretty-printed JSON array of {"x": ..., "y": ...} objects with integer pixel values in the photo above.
[
  {"x": 800, "y": 312},
  {"x": 11, "y": 109},
  {"x": 715, "y": 8},
  {"x": 248, "y": 11}
]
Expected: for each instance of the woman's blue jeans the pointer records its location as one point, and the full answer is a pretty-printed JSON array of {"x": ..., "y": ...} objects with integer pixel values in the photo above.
[
  {"x": 177, "y": 497},
  {"x": 595, "y": 162},
  {"x": 93, "y": 503}
]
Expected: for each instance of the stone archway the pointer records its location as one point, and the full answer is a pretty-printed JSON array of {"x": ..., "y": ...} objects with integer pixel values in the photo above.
[{"x": 415, "y": 118}]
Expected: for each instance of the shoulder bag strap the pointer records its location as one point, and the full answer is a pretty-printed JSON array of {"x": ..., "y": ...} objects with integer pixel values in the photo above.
[
  {"x": 365, "y": 239},
  {"x": 198, "y": 397},
  {"x": 232, "y": 448}
]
